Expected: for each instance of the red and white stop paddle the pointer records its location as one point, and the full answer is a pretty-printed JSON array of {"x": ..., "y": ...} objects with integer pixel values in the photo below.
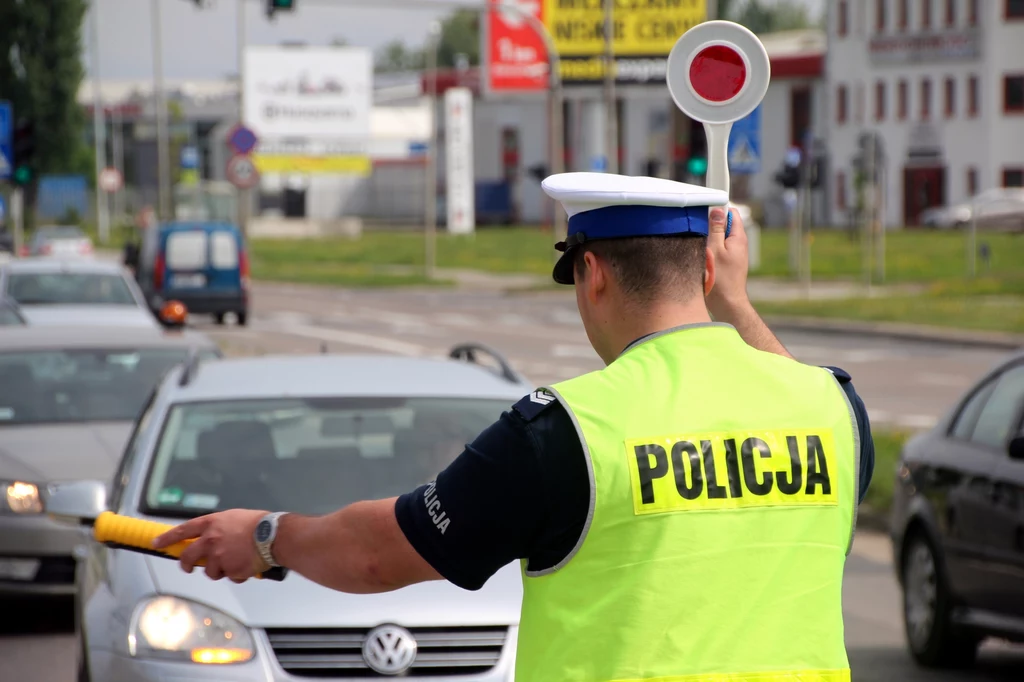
[{"x": 718, "y": 72}]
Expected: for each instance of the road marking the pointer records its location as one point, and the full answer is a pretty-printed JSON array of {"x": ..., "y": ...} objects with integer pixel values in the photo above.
[
  {"x": 938, "y": 379},
  {"x": 872, "y": 545},
  {"x": 457, "y": 320},
  {"x": 349, "y": 338},
  {"x": 917, "y": 421}
]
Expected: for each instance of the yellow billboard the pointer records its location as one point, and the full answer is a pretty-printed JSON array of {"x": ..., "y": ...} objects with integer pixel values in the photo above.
[
  {"x": 641, "y": 28},
  {"x": 313, "y": 165}
]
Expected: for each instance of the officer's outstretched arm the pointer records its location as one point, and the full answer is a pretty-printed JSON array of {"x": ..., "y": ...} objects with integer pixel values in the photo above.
[{"x": 728, "y": 301}]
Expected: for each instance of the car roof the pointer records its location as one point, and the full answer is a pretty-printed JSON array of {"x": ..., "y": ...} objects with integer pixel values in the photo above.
[
  {"x": 276, "y": 376},
  {"x": 68, "y": 337},
  {"x": 44, "y": 265}
]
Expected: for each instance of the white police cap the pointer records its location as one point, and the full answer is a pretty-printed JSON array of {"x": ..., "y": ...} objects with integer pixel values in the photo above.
[{"x": 607, "y": 206}]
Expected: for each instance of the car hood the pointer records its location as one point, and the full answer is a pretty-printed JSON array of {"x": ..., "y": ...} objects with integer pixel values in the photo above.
[
  {"x": 120, "y": 316},
  {"x": 297, "y": 602},
  {"x": 49, "y": 453}
]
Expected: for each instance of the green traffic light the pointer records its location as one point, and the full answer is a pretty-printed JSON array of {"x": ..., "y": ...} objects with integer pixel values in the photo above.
[
  {"x": 22, "y": 175},
  {"x": 697, "y": 166},
  {"x": 282, "y": 4}
]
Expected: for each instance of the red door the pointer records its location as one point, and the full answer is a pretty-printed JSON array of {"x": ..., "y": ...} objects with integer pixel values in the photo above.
[{"x": 922, "y": 188}]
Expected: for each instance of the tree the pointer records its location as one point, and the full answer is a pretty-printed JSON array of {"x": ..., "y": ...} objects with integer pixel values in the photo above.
[
  {"x": 40, "y": 73},
  {"x": 460, "y": 34},
  {"x": 395, "y": 56},
  {"x": 764, "y": 17}
]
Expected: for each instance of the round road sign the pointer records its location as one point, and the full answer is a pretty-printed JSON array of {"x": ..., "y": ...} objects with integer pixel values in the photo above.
[
  {"x": 241, "y": 171},
  {"x": 718, "y": 72},
  {"x": 110, "y": 180}
]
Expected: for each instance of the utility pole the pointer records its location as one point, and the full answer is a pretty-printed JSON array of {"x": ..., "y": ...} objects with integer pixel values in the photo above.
[
  {"x": 243, "y": 194},
  {"x": 611, "y": 109},
  {"x": 162, "y": 143},
  {"x": 98, "y": 128},
  {"x": 430, "y": 247},
  {"x": 869, "y": 213}
]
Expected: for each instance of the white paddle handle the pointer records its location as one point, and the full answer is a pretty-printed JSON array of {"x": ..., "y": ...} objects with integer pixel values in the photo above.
[{"x": 717, "y": 135}]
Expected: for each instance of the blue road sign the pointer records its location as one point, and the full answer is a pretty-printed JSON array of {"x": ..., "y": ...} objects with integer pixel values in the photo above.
[
  {"x": 6, "y": 129},
  {"x": 745, "y": 144},
  {"x": 598, "y": 164},
  {"x": 417, "y": 148},
  {"x": 3, "y": 209},
  {"x": 242, "y": 140},
  {"x": 189, "y": 158}
]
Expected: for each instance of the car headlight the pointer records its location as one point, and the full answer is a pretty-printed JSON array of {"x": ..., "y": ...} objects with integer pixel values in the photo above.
[
  {"x": 176, "y": 629},
  {"x": 21, "y": 497}
]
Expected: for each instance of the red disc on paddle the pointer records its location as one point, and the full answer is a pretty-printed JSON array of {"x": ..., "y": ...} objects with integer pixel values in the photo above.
[{"x": 717, "y": 73}]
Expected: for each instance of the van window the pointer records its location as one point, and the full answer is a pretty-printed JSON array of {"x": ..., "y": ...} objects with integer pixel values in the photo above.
[
  {"x": 223, "y": 251},
  {"x": 186, "y": 250}
]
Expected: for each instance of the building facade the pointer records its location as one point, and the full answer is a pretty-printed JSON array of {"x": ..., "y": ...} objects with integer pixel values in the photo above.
[{"x": 942, "y": 83}]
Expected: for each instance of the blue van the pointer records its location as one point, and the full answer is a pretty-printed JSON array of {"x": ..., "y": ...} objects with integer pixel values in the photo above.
[{"x": 205, "y": 265}]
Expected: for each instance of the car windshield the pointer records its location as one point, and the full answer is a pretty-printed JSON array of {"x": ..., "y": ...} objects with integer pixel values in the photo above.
[
  {"x": 79, "y": 385},
  {"x": 69, "y": 288},
  {"x": 310, "y": 456},
  {"x": 60, "y": 232}
]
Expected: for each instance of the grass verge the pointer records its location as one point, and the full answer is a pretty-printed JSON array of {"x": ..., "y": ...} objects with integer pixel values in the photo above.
[{"x": 888, "y": 444}]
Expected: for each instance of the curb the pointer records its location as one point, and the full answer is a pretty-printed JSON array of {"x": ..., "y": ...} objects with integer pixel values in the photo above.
[
  {"x": 906, "y": 332},
  {"x": 869, "y": 519}
]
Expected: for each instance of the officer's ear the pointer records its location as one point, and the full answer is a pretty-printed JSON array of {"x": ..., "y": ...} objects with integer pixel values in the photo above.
[
  {"x": 709, "y": 271},
  {"x": 594, "y": 280}
]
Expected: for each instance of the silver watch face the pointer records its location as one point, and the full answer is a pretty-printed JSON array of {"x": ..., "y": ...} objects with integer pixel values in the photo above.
[{"x": 263, "y": 530}]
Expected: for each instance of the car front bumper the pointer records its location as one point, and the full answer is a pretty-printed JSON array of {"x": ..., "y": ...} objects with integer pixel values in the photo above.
[
  {"x": 115, "y": 667},
  {"x": 37, "y": 555}
]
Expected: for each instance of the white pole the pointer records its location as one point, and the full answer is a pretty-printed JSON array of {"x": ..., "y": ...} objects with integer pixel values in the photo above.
[
  {"x": 243, "y": 194},
  {"x": 163, "y": 170},
  {"x": 117, "y": 141},
  {"x": 611, "y": 110},
  {"x": 430, "y": 250},
  {"x": 98, "y": 128}
]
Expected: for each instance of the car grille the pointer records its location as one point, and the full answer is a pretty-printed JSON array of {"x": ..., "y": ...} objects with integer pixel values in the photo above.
[{"x": 315, "y": 652}]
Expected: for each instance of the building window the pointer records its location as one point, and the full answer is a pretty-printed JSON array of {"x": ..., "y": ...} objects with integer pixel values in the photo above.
[
  {"x": 841, "y": 191},
  {"x": 949, "y": 98},
  {"x": 972, "y": 96},
  {"x": 880, "y": 101},
  {"x": 880, "y": 15},
  {"x": 901, "y": 101},
  {"x": 950, "y": 12},
  {"x": 1014, "y": 9},
  {"x": 799, "y": 115},
  {"x": 1013, "y": 94},
  {"x": 926, "y": 14},
  {"x": 972, "y": 181},
  {"x": 1013, "y": 177},
  {"x": 859, "y": 107},
  {"x": 902, "y": 15},
  {"x": 972, "y": 12},
  {"x": 841, "y": 104},
  {"x": 926, "y": 99},
  {"x": 842, "y": 18}
]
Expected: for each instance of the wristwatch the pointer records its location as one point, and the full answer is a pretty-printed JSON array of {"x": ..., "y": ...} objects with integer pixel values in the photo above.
[{"x": 264, "y": 535}]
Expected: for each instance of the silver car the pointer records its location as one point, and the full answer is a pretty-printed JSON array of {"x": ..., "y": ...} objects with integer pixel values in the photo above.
[
  {"x": 61, "y": 241},
  {"x": 307, "y": 434},
  {"x": 65, "y": 292},
  {"x": 68, "y": 398},
  {"x": 999, "y": 209}
]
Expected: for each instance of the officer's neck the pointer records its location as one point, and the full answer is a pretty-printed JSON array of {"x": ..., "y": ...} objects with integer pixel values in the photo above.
[{"x": 654, "y": 317}]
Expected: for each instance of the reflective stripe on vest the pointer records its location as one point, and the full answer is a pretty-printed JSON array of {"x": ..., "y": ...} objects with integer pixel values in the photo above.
[{"x": 723, "y": 490}]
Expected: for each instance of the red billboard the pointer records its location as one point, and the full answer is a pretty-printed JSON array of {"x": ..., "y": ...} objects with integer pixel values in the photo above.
[{"x": 517, "y": 59}]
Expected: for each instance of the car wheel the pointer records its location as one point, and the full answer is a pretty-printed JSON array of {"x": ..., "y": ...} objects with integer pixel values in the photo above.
[
  {"x": 218, "y": 318},
  {"x": 927, "y": 609},
  {"x": 243, "y": 317}
]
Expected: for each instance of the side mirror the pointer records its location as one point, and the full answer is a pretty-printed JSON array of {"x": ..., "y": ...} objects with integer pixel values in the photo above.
[
  {"x": 1016, "y": 448},
  {"x": 173, "y": 314},
  {"x": 77, "y": 502}
]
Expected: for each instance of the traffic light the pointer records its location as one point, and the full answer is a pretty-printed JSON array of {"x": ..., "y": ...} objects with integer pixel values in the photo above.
[
  {"x": 697, "y": 163},
  {"x": 274, "y": 6},
  {"x": 788, "y": 176},
  {"x": 24, "y": 149}
]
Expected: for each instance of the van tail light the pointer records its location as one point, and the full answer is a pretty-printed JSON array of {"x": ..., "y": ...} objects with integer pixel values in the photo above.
[
  {"x": 45, "y": 249},
  {"x": 86, "y": 247},
  {"x": 243, "y": 269},
  {"x": 158, "y": 273},
  {"x": 23, "y": 252}
]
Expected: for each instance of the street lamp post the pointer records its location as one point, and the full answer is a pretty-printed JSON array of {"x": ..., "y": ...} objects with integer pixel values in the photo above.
[
  {"x": 430, "y": 250},
  {"x": 162, "y": 151},
  {"x": 99, "y": 128}
]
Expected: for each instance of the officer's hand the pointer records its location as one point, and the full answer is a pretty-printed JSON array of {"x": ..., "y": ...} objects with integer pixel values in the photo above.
[
  {"x": 223, "y": 544},
  {"x": 731, "y": 263}
]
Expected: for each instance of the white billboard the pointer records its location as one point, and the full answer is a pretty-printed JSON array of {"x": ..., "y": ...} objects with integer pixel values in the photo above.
[
  {"x": 308, "y": 92},
  {"x": 458, "y": 135}
]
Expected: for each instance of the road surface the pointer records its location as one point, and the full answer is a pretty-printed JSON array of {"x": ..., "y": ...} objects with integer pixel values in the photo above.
[{"x": 906, "y": 384}]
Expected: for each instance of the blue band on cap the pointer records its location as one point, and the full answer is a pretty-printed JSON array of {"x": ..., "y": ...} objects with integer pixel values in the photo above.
[{"x": 612, "y": 222}]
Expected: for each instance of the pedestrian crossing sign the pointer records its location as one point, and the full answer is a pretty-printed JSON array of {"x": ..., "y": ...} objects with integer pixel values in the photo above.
[
  {"x": 5, "y": 165},
  {"x": 745, "y": 144},
  {"x": 743, "y": 156}
]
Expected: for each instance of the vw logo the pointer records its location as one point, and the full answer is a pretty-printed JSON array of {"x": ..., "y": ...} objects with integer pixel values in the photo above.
[{"x": 389, "y": 649}]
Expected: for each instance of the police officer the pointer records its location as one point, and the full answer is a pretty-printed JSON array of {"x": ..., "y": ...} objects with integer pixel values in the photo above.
[{"x": 683, "y": 513}]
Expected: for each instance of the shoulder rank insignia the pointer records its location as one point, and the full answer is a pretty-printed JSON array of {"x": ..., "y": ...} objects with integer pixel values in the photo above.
[{"x": 530, "y": 406}]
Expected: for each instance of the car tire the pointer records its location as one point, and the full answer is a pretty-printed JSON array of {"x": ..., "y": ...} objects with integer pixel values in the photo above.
[
  {"x": 243, "y": 318},
  {"x": 927, "y": 610},
  {"x": 218, "y": 318}
]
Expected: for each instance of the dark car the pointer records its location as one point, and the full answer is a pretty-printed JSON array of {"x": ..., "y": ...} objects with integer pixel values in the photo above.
[{"x": 958, "y": 523}]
